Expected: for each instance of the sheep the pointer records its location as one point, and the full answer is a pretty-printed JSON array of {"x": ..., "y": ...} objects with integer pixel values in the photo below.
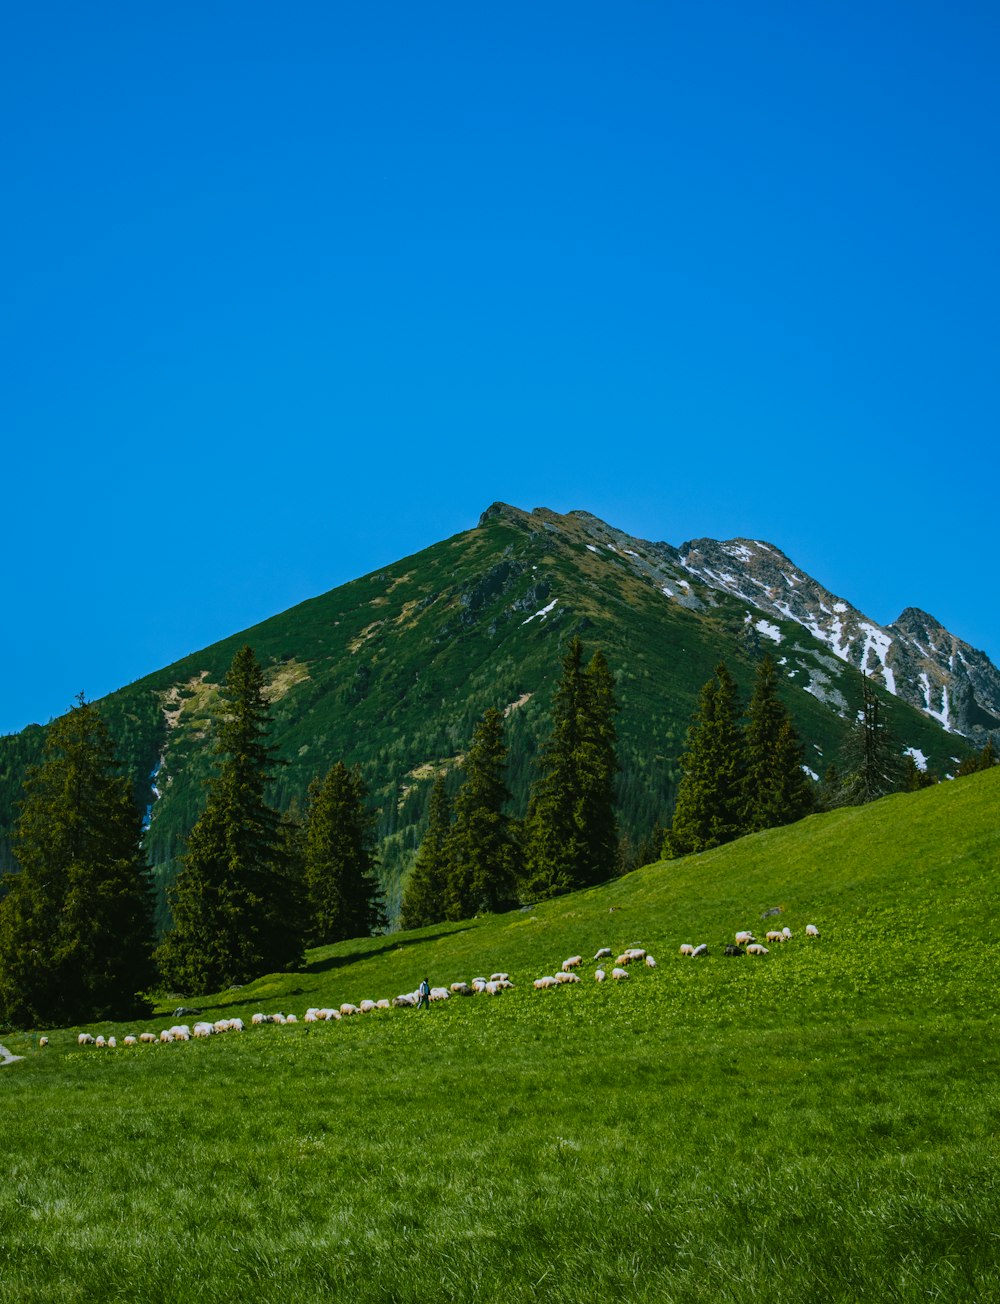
[
  {"x": 43, "y": 1041},
  {"x": 278, "y": 1018},
  {"x": 235, "y": 1025},
  {"x": 257, "y": 1019},
  {"x": 333, "y": 1016},
  {"x": 506, "y": 984},
  {"x": 112, "y": 1044},
  {"x": 220, "y": 1025},
  {"x": 366, "y": 1007},
  {"x": 755, "y": 948},
  {"x": 599, "y": 976},
  {"x": 774, "y": 935},
  {"x": 636, "y": 953},
  {"x": 383, "y": 1004},
  {"x": 479, "y": 984},
  {"x": 744, "y": 937},
  {"x": 732, "y": 949},
  {"x": 812, "y": 930},
  {"x": 619, "y": 974},
  {"x": 700, "y": 950},
  {"x": 604, "y": 951},
  {"x": 166, "y": 1036},
  {"x": 573, "y": 962},
  {"x": 687, "y": 949},
  {"x": 499, "y": 977},
  {"x": 205, "y": 1029},
  {"x": 404, "y": 1001},
  {"x": 99, "y": 1040},
  {"x": 787, "y": 932},
  {"x": 440, "y": 994},
  {"x": 291, "y": 1019},
  {"x": 147, "y": 1038},
  {"x": 492, "y": 988},
  {"x": 311, "y": 1015},
  {"x": 546, "y": 981},
  {"x": 85, "y": 1039},
  {"x": 461, "y": 989},
  {"x": 479, "y": 980},
  {"x": 567, "y": 978},
  {"x": 649, "y": 962},
  {"x": 129, "y": 1041},
  {"x": 348, "y": 1008}
]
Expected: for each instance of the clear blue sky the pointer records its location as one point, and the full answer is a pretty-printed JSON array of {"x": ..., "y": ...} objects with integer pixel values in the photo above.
[{"x": 290, "y": 292}]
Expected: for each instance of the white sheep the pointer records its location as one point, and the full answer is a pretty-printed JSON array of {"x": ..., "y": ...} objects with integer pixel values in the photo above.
[
  {"x": 205, "y": 1029},
  {"x": 129, "y": 1041},
  {"x": 278, "y": 1018},
  {"x": 348, "y": 1008},
  {"x": 257, "y": 1019},
  {"x": 623, "y": 959},
  {"x": 774, "y": 935},
  {"x": 403, "y": 1001},
  {"x": 112, "y": 1043},
  {"x": 311, "y": 1015},
  {"x": 546, "y": 981},
  {"x": 573, "y": 962},
  {"x": 506, "y": 983},
  {"x": 383, "y": 1004},
  {"x": 702, "y": 949},
  {"x": 461, "y": 989},
  {"x": 650, "y": 962},
  {"x": 440, "y": 994},
  {"x": 636, "y": 953},
  {"x": 479, "y": 984},
  {"x": 745, "y": 937},
  {"x": 493, "y": 989},
  {"x": 479, "y": 980},
  {"x": 236, "y": 1025},
  {"x": 567, "y": 978},
  {"x": 812, "y": 930},
  {"x": 599, "y": 975},
  {"x": 366, "y": 1007},
  {"x": 85, "y": 1039},
  {"x": 220, "y": 1025},
  {"x": 787, "y": 932},
  {"x": 166, "y": 1036},
  {"x": 604, "y": 951},
  {"x": 147, "y": 1038},
  {"x": 687, "y": 949},
  {"x": 43, "y": 1041},
  {"x": 499, "y": 977},
  {"x": 619, "y": 974},
  {"x": 755, "y": 948},
  {"x": 291, "y": 1018}
]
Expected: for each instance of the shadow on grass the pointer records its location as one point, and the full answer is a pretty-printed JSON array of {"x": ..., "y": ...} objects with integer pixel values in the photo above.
[{"x": 338, "y": 961}]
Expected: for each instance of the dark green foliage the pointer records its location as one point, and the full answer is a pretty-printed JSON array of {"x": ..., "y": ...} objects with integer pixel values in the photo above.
[
  {"x": 343, "y": 893},
  {"x": 872, "y": 758},
  {"x": 777, "y": 789},
  {"x": 710, "y": 801},
  {"x": 978, "y": 761},
  {"x": 426, "y": 887},
  {"x": 481, "y": 847},
  {"x": 914, "y": 778},
  {"x": 76, "y": 926},
  {"x": 236, "y": 903},
  {"x": 571, "y": 836}
]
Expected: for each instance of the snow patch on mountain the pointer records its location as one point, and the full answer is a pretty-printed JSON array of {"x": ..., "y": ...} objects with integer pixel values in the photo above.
[{"x": 541, "y": 614}]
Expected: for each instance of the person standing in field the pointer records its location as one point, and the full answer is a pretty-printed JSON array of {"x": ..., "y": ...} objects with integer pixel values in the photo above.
[{"x": 424, "y": 1003}]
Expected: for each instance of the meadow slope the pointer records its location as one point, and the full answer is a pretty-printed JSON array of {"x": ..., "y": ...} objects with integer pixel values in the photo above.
[{"x": 820, "y": 1124}]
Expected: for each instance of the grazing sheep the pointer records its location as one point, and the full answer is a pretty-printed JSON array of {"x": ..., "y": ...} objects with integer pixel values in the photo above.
[
  {"x": 166, "y": 1036},
  {"x": 506, "y": 983},
  {"x": 43, "y": 1041},
  {"x": 311, "y": 1015},
  {"x": 85, "y": 1039},
  {"x": 755, "y": 948},
  {"x": 636, "y": 953},
  {"x": 732, "y": 949},
  {"x": 366, "y": 1007},
  {"x": 461, "y": 989},
  {"x": 220, "y": 1025},
  {"x": 383, "y": 1004},
  {"x": 700, "y": 950},
  {"x": 493, "y": 989},
  {"x": 619, "y": 974},
  {"x": 347, "y": 1008},
  {"x": 499, "y": 977},
  {"x": 206, "y": 1029},
  {"x": 649, "y": 962},
  {"x": 257, "y": 1019},
  {"x": 129, "y": 1041},
  {"x": 112, "y": 1044},
  {"x": 440, "y": 994},
  {"x": 774, "y": 935},
  {"x": 599, "y": 976},
  {"x": 604, "y": 951},
  {"x": 812, "y": 930},
  {"x": 573, "y": 962},
  {"x": 624, "y": 959},
  {"x": 687, "y": 949},
  {"x": 745, "y": 937},
  {"x": 787, "y": 932},
  {"x": 235, "y": 1025},
  {"x": 479, "y": 984},
  {"x": 278, "y": 1018},
  {"x": 567, "y": 978},
  {"x": 148, "y": 1038},
  {"x": 291, "y": 1019},
  {"x": 546, "y": 981},
  {"x": 404, "y": 1001}
]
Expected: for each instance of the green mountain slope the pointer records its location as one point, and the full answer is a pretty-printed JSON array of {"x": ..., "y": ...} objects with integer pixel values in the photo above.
[
  {"x": 818, "y": 1124},
  {"x": 392, "y": 670}
]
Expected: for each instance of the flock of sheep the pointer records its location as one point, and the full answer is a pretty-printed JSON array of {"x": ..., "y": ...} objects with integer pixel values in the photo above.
[{"x": 745, "y": 944}]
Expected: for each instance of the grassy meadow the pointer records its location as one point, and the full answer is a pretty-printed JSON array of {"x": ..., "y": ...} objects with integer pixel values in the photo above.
[{"x": 820, "y": 1124}]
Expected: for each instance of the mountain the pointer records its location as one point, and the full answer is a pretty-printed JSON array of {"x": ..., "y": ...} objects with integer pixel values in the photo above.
[{"x": 392, "y": 670}]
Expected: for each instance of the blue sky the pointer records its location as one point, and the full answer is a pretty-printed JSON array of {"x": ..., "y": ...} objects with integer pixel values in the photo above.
[{"x": 290, "y": 293}]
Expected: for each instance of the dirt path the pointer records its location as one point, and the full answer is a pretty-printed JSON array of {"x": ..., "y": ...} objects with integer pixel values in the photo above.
[{"x": 7, "y": 1058}]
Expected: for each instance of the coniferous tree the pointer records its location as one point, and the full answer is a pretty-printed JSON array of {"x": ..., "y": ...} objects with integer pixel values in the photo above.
[
  {"x": 777, "y": 788},
  {"x": 914, "y": 778},
  {"x": 873, "y": 761},
  {"x": 76, "y": 926},
  {"x": 345, "y": 899},
  {"x": 236, "y": 905},
  {"x": 571, "y": 836},
  {"x": 424, "y": 898},
  {"x": 481, "y": 847},
  {"x": 977, "y": 761},
  {"x": 711, "y": 796}
]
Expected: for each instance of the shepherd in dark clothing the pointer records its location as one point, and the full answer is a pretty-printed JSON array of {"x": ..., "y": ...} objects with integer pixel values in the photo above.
[{"x": 425, "y": 996}]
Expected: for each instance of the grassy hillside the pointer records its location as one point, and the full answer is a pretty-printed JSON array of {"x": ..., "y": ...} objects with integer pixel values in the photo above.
[
  {"x": 819, "y": 1124},
  {"x": 392, "y": 670}
]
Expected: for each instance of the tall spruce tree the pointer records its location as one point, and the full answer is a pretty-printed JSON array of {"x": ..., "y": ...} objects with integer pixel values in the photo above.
[
  {"x": 710, "y": 799},
  {"x": 236, "y": 903},
  {"x": 481, "y": 849},
  {"x": 76, "y": 926},
  {"x": 777, "y": 790},
  {"x": 427, "y": 885},
  {"x": 344, "y": 895},
  {"x": 571, "y": 837},
  {"x": 872, "y": 759}
]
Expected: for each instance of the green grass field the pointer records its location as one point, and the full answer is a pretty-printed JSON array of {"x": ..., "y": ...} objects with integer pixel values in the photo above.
[{"x": 819, "y": 1124}]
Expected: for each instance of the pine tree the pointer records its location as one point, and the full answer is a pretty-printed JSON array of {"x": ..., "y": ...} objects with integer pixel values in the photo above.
[
  {"x": 977, "y": 761},
  {"x": 345, "y": 899},
  {"x": 913, "y": 777},
  {"x": 711, "y": 796},
  {"x": 426, "y": 887},
  {"x": 76, "y": 926},
  {"x": 873, "y": 761},
  {"x": 571, "y": 830},
  {"x": 481, "y": 848},
  {"x": 236, "y": 903},
  {"x": 777, "y": 790}
]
